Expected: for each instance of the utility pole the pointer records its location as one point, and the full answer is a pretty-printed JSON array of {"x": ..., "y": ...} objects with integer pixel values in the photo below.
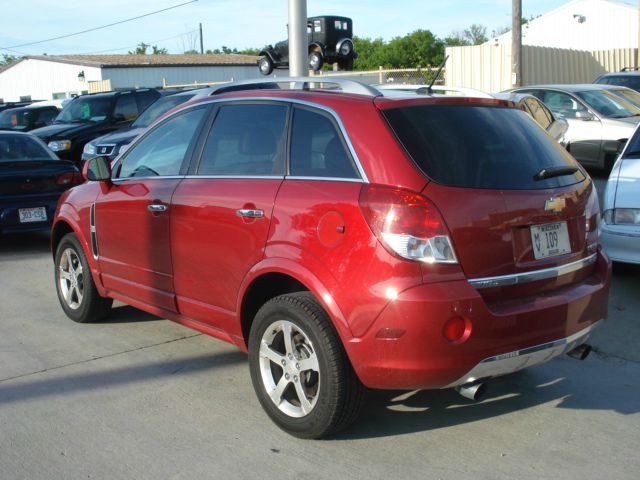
[
  {"x": 516, "y": 43},
  {"x": 638, "y": 52},
  {"x": 201, "y": 42},
  {"x": 298, "y": 61}
]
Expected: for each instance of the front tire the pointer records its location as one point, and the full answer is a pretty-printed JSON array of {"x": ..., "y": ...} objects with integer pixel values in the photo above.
[
  {"x": 76, "y": 291},
  {"x": 315, "y": 61},
  {"x": 299, "y": 369}
]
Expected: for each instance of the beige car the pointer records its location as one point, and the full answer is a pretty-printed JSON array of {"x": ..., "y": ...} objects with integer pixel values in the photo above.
[{"x": 601, "y": 118}]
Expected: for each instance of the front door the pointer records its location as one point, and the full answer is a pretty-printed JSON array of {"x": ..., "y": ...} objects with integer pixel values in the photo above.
[{"x": 132, "y": 216}]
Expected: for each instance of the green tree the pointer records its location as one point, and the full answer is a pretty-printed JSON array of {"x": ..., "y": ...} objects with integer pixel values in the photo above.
[
  {"x": 7, "y": 60},
  {"x": 141, "y": 49},
  {"x": 476, "y": 34},
  {"x": 158, "y": 51},
  {"x": 370, "y": 53},
  {"x": 418, "y": 49}
]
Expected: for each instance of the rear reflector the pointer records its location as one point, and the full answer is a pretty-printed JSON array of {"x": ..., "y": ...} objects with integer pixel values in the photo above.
[
  {"x": 69, "y": 179},
  {"x": 457, "y": 329}
]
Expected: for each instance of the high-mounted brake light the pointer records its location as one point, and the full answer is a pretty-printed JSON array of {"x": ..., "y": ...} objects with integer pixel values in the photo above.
[{"x": 407, "y": 224}]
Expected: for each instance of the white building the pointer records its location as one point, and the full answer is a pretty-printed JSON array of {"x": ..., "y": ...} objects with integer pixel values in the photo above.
[
  {"x": 582, "y": 25},
  {"x": 58, "y": 77}
]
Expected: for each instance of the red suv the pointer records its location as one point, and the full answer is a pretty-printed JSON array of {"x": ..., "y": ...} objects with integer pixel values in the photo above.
[{"x": 345, "y": 239}]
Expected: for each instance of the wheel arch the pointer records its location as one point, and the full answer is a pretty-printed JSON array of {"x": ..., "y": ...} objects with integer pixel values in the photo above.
[{"x": 271, "y": 280}]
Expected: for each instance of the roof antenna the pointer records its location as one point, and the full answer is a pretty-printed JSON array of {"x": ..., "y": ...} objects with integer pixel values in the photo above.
[{"x": 429, "y": 89}]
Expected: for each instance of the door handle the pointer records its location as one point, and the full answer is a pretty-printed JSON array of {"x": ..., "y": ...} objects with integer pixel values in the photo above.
[
  {"x": 248, "y": 213},
  {"x": 157, "y": 207}
]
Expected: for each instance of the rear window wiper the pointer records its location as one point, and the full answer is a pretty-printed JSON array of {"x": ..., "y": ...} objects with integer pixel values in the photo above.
[{"x": 554, "y": 172}]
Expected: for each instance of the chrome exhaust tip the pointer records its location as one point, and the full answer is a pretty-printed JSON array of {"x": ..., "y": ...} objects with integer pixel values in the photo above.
[
  {"x": 472, "y": 391},
  {"x": 580, "y": 352}
]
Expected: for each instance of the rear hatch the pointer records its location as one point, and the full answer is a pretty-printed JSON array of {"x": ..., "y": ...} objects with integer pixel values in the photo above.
[{"x": 505, "y": 215}]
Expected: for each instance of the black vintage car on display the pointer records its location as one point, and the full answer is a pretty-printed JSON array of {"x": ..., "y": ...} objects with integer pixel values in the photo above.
[{"x": 329, "y": 41}]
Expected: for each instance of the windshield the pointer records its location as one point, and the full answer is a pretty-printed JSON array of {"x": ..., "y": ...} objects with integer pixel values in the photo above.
[
  {"x": 629, "y": 95},
  {"x": 14, "y": 119},
  {"x": 609, "y": 104},
  {"x": 480, "y": 146},
  {"x": 23, "y": 148},
  {"x": 85, "y": 109},
  {"x": 158, "y": 108}
]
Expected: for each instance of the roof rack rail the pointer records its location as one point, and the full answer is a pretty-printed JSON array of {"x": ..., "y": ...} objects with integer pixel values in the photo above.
[
  {"x": 299, "y": 83},
  {"x": 630, "y": 69}
]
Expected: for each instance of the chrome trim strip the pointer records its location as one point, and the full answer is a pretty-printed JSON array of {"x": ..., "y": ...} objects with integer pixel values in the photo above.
[
  {"x": 527, "y": 277},
  {"x": 154, "y": 177},
  {"x": 325, "y": 179},
  {"x": 518, "y": 359},
  {"x": 93, "y": 231},
  {"x": 232, "y": 177}
]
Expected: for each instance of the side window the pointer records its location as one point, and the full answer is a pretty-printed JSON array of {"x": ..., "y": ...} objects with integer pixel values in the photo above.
[
  {"x": 317, "y": 149},
  {"x": 126, "y": 108},
  {"x": 563, "y": 104},
  {"x": 46, "y": 117},
  {"x": 162, "y": 151},
  {"x": 245, "y": 140},
  {"x": 146, "y": 98},
  {"x": 538, "y": 112}
]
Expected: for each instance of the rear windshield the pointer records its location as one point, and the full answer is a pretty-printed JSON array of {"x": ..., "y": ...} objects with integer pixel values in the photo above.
[
  {"x": 480, "y": 146},
  {"x": 14, "y": 119},
  {"x": 23, "y": 148}
]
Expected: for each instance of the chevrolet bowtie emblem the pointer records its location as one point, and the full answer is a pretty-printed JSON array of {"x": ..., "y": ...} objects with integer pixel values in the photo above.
[{"x": 555, "y": 205}]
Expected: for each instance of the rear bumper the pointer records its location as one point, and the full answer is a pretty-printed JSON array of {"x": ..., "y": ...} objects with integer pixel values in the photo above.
[
  {"x": 510, "y": 362},
  {"x": 622, "y": 242},
  {"x": 405, "y": 348},
  {"x": 10, "y": 219}
]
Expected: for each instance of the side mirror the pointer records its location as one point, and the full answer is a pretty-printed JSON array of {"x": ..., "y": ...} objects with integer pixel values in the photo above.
[
  {"x": 97, "y": 169},
  {"x": 585, "y": 116}
]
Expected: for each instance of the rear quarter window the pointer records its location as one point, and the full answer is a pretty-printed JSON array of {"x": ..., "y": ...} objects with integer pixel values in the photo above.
[{"x": 479, "y": 146}]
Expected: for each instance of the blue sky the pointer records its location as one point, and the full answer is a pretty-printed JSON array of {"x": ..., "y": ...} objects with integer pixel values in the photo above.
[{"x": 234, "y": 23}]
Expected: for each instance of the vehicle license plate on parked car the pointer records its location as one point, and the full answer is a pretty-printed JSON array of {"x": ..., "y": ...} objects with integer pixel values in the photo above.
[
  {"x": 550, "y": 240},
  {"x": 37, "y": 214}
]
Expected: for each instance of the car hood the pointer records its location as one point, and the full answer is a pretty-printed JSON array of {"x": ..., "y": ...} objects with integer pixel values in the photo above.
[
  {"x": 60, "y": 130},
  {"x": 121, "y": 137},
  {"x": 627, "y": 193}
]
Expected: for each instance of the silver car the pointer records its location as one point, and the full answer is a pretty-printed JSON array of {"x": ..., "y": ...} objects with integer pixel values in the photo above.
[
  {"x": 601, "y": 118},
  {"x": 621, "y": 217}
]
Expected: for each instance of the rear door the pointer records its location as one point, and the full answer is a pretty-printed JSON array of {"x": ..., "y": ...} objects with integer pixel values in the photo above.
[{"x": 221, "y": 213}]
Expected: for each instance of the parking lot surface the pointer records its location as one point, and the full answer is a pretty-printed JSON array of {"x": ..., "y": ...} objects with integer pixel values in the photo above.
[{"x": 141, "y": 397}]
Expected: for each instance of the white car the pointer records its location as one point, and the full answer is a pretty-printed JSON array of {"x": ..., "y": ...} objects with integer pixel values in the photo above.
[{"x": 621, "y": 217}]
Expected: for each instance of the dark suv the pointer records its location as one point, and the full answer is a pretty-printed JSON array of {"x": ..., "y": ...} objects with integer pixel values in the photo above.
[
  {"x": 24, "y": 119},
  {"x": 329, "y": 41},
  {"x": 89, "y": 116},
  {"x": 627, "y": 77},
  {"x": 345, "y": 239}
]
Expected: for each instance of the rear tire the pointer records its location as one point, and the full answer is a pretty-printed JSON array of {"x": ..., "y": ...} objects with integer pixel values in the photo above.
[
  {"x": 265, "y": 65},
  {"x": 74, "y": 284},
  {"x": 299, "y": 369}
]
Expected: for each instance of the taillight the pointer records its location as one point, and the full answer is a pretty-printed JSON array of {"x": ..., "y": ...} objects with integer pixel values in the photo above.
[
  {"x": 592, "y": 221},
  {"x": 69, "y": 179},
  {"x": 407, "y": 224}
]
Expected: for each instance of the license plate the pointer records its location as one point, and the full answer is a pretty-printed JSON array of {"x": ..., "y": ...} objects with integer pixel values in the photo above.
[
  {"x": 550, "y": 240},
  {"x": 37, "y": 214}
]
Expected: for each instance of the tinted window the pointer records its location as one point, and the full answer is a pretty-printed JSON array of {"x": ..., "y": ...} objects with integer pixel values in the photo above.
[
  {"x": 539, "y": 112},
  {"x": 126, "y": 108},
  {"x": 86, "y": 109},
  {"x": 162, "y": 151},
  {"x": 162, "y": 106},
  {"x": 317, "y": 149},
  {"x": 146, "y": 98},
  {"x": 623, "y": 80},
  {"x": 562, "y": 103},
  {"x": 46, "y": 117},
  {"x": 15, "y": 119},
  {"x": 629, "y": 95},
  {"x": 479, "y": 146},
  {"x": 17, "y": 148},
  {"x": 245, "y": 140}
]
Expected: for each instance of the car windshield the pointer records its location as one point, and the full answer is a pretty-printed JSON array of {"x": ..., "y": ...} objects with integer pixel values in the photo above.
[
  {"x": 629, "y": 95},
  {"x": 609, "y": 104},
  {"x": 23, "y": 148},
  {"x": 159, "y": 108},
  {"x": 481, "y": 147},
  {"x": 14, "y": 119},
  {"x": 85, "y": 109}
]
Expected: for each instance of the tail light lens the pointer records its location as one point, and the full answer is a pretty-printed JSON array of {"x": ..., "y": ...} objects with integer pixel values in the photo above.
[
  {"x": 592, "y": 219},
  {"x": 69, "y": 179},
  {"x": 407, "y": 224}
]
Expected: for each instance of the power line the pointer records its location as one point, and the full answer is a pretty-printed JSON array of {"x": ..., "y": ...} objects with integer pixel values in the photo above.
[
  {"x": 135, "y": 46},
  {"x": 98, "y": 28}
]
